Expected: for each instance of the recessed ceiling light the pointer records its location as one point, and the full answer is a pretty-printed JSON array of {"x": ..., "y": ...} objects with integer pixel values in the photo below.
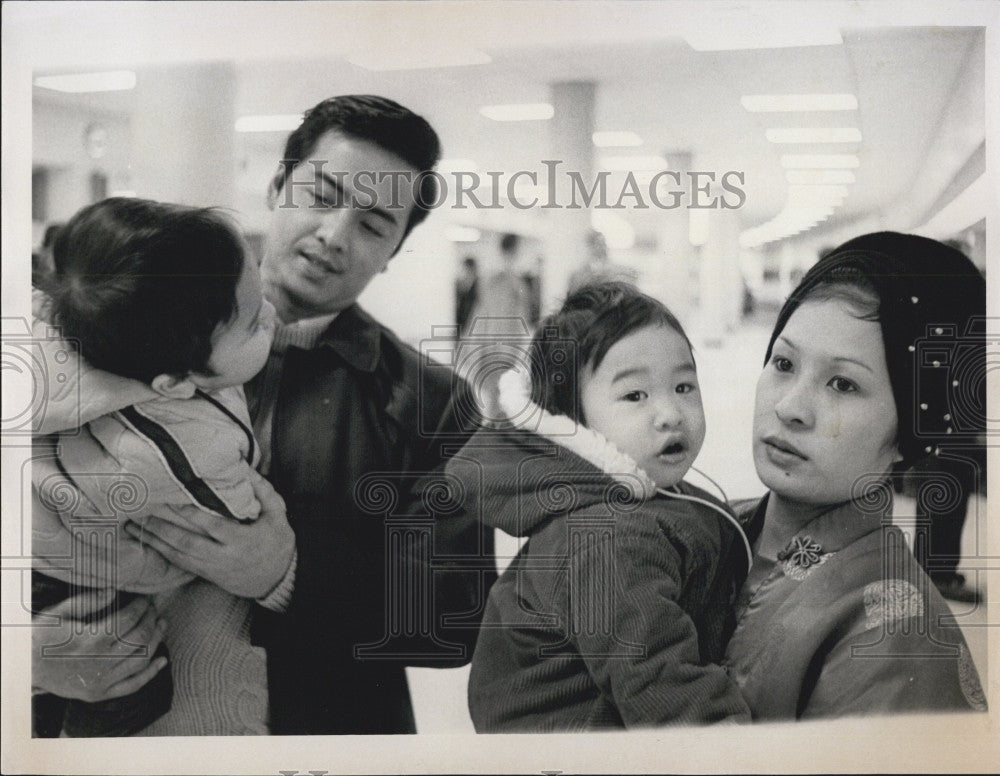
[
  {"x": 616, "y": 139},
  {"x": 815, "y": 177},
  {"x": 529, "y": 111},
  {"x": 774, "y": 103},
  {"x": 276, "y": 123},
  {"x": 819, "y": 161},
  {"x": 814, "y": 135},
  {"x": 106, "y": 81}
]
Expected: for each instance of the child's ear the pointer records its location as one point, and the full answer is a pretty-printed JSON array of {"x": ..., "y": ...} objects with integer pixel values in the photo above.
[{"x": 173, "y": 387}]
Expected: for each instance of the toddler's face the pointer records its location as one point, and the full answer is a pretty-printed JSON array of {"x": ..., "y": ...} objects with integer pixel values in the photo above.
[
  {"x": 644, "y": 397},
  {"x": 240, "y": 347}
]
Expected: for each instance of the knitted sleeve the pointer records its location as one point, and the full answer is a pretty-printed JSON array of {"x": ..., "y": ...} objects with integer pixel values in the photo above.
[{"x": 638, "y": 644}]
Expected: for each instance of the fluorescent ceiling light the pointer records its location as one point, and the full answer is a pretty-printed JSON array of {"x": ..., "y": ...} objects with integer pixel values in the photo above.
[
  {"x": 416, "y": 58},
  {"x": 107, "y": 81},
  {"x": 611, "y": 139},
  {"x": 465, "y": 234},
  {"x": 633, "y": 163},
  {"x": 276, "y": 123},
  {"x": 815, "y": 177},
  {"x": 774, "y": 103},
  {"x": 814, "y": 135},
  {"x": 819, "y": 161},
  {"x": 717, "y": 38},
  {"x": 529, "y": 111}
]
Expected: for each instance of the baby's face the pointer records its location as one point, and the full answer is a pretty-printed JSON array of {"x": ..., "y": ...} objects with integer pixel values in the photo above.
[
  {"x": 240, "y": 347},
  {"x": 644, "y": 397}
]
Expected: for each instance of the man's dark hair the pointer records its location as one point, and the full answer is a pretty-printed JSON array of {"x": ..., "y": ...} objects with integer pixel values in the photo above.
[
  {"x": 381, "y": 121},
  {"x": 579, "y": 336},
  {"x": 140, "y": 286}
]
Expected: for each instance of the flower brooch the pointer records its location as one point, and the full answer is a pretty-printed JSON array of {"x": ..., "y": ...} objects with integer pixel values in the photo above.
[{"x": 800, "y": 555}]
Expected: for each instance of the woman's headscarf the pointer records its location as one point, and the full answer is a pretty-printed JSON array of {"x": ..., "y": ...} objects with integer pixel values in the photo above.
[{"x": 932, "y": 308}]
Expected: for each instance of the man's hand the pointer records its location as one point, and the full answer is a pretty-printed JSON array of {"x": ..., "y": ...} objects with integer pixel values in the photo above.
[
  {"x": 245, "y": 559},
  {"x": 103, "y": 661}
]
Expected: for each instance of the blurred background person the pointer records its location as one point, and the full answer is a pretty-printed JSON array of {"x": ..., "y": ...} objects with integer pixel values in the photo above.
[
  {"x": 599, "y": 266},
  {"x": 466, "y": 292},
  {"x": 500, "y": 319}
]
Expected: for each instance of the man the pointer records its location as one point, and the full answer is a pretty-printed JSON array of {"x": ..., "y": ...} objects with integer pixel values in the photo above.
[{"x": 354, "y": 431}]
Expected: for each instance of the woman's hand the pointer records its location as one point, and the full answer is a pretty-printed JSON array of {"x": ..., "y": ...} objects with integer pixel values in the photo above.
[
  {"x": 108, "y": 658},
  {"x": 245, "y": 559}
]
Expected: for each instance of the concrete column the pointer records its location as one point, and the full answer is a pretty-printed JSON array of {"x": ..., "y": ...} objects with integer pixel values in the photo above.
[
  {"x": 183, "y": 140},
  {"x": 720, "y": 282},
  {"x": 572, "y": 129},
  {"x": 673, "y": 279}
]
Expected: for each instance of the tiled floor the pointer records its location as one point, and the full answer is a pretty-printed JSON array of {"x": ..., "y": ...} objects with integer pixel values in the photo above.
[{"x": 728, "y": 375}]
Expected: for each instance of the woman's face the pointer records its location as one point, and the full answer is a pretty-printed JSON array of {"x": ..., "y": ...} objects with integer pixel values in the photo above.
[{"x": 824, "y": 413}]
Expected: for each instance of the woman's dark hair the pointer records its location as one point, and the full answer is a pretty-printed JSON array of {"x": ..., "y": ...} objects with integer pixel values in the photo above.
[
  {"x": 579, "y": 336},
  {"x": 381, "y": 121},
  {"x": 140, "y": 286}
]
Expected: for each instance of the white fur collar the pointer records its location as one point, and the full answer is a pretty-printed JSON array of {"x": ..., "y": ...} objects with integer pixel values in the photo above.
[{"x": 592, "y": 446}]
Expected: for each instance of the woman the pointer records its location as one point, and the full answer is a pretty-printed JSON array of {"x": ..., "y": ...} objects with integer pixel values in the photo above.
[{"x": 836, "y": 616}]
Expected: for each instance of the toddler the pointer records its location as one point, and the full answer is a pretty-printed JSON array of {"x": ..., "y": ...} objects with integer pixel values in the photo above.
[
  {"x": 614, "y": 612},
  {"x": 167, "y": 295}
]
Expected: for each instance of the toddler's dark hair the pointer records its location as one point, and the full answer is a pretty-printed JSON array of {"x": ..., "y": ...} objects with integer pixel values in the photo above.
[
  {"x": 592, "y": 319},
  {"x": 140, "y": 286}
]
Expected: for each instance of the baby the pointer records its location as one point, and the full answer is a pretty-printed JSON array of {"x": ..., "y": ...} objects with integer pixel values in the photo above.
[
  {"x": 615, "y": 609},
  {"x": 166, "y": 295}
]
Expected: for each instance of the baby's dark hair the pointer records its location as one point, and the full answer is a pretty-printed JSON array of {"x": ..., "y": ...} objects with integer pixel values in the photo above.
[
  {"x": 579, "y": 336},
  {"x": 140, "y": 286}
]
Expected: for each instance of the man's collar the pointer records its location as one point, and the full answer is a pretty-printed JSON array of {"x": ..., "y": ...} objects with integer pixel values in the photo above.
[{"x": 356, "y": 337}]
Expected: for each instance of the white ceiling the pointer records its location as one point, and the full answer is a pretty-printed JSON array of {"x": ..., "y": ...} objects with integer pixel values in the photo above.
[{"x": 290, "y": 55}]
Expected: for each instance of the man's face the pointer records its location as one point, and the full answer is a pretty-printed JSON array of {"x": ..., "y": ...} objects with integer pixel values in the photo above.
[{"x": 335, "y": 224}]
